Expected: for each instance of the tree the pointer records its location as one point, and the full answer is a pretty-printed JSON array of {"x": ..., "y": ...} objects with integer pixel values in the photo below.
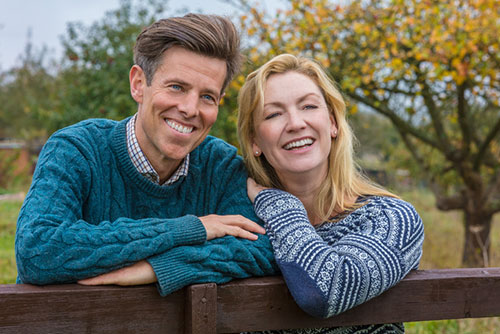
[
  {"x": 431, "y": 68},
  {"x": 94, "y": 81},
  {"x": 25, "y": 96}
]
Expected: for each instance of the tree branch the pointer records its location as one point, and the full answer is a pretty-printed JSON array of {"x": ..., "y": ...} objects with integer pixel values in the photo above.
[
  {"x": 400, "y": 124},
  {"x": 447, "y": 203},
  {"x": 463, "y": 120},
  {"x": 443, "y": 202},
  {"x": 437, "y": 123},
  {"x": 495, "y": 130}
]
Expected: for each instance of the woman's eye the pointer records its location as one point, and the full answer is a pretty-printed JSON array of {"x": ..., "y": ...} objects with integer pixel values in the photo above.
[
  {"x": 310, "y": 106},
  {"x": 271, "y": 115}
]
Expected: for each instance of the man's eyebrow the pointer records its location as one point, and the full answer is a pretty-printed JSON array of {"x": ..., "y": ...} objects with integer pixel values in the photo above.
[
  {"x": 186, "y": 84},
  {"x": 177, "y": 81}
]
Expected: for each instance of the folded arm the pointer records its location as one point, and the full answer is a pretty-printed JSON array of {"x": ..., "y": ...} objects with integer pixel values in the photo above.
[
  {"x": 54, "y": 244},
  {"x": 334, "y": 268}
]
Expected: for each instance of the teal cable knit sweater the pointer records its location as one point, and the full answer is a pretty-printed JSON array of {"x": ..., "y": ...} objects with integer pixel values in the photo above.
[{"x": 89, "y": 211}]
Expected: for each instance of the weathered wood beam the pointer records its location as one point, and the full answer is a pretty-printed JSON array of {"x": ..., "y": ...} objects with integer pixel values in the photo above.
[{"x": 241, "y": 305}]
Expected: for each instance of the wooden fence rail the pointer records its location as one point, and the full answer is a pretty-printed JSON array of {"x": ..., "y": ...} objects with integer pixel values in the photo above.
[{"x": 241, "y": 305}]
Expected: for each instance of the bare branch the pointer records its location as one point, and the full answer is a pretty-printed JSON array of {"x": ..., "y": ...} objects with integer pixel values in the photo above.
[
  {"x": 493, "y": 205},
  {"x": 400, "y": 124},
  {"x": 463, "y": 120},
  {"x": 437, "y": 122},
  {"x": 495, "y": 130}
]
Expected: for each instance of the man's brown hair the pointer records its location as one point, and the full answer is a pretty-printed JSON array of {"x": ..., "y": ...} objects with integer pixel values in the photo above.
[{"x": 208, "y": 35}]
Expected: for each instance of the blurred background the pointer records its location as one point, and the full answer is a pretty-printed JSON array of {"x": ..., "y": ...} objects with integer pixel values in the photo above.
[{"x": 421, "y": 78}]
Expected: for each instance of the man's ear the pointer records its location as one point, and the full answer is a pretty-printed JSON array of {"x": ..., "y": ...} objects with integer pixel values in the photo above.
[{"x": 137, "y": 80}]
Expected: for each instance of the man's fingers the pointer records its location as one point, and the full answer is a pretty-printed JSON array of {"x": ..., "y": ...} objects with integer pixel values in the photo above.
[
  {"x": 247, "y": 225},
  {"x": 244, "y": 223},
  {"x": 235, "y": 225},
  {"x": 238, "y": 232}
]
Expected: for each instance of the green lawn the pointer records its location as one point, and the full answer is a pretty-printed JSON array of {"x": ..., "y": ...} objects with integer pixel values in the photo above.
[
  {"x": 8, "y": 216},
  {"x": 442, "y": 249}
]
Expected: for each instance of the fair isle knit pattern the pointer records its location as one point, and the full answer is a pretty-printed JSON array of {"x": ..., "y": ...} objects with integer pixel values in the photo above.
[{"x": 338, "y": 265}]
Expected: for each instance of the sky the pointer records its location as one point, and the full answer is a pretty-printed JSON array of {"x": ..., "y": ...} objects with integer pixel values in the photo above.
[{"x": 47, "y": 19}]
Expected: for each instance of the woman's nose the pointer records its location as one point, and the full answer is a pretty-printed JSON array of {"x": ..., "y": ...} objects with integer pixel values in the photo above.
[{"x": 295, "y": 121}]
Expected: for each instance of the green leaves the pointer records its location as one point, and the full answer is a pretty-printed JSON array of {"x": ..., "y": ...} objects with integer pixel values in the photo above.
[{"x": 430, "y": 67}]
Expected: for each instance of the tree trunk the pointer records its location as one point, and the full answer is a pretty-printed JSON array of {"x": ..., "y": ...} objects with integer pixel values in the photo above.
[{"x": 477, "y": 239}]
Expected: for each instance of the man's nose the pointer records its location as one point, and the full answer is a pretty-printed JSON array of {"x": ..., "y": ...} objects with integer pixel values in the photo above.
[{"x": 189, "y": 105}]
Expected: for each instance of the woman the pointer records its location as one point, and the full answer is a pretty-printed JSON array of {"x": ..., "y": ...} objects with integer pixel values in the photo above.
[{"x": 339, "y": 239}]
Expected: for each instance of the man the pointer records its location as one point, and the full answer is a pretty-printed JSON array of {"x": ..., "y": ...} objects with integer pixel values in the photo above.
[{"x": 150, "y": 198}]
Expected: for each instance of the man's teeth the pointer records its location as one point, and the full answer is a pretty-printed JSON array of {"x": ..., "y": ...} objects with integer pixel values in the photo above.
[
  {"x": 180, "y": 128},
  {"x": 299, "y": 143}
]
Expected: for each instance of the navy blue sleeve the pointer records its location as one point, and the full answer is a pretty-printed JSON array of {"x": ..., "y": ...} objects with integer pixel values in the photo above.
[{"x": 346, "y": 264}]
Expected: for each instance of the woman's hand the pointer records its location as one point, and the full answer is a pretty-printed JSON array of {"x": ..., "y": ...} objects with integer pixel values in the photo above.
[
  {"x": 136, "y": 274},
  {"x": 253, "y": 189}
]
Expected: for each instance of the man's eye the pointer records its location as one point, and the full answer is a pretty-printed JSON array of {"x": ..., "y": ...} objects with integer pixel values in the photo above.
[
  {"x": 208, "y": 98},
  {"x": 176, "y": 87}
]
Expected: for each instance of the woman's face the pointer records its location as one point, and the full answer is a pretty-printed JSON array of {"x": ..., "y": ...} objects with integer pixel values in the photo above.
[{"x": 295, "y": 128}]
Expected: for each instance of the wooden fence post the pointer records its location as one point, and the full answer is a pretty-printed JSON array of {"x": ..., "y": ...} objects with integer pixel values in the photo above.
[{"x": 201, "y": 309}]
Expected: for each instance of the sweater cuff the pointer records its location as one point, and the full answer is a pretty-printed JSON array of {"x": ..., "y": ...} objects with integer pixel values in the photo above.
[
  {"x": 270, "y": 203},
  {"x": 190, "y": 232},
  {"x": 171, "y": 271}
]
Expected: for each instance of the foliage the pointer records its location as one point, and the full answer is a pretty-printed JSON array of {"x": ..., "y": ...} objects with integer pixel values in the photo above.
[
  {"x": 431, "y": 68},
  {"x": 12, "y": 177},
  {"x": 98, "y": 60},
  {"x": 38, "y": 98},
  {"x": 26, "y": 93},
  {"x": 225, "y": 127}
]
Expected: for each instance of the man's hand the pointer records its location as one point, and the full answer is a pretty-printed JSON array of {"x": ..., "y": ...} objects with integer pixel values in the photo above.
[
  {"x": 136, "y": 274},
  {"x": 253, "y": 189},
  {"x": 238, "y": 226}
]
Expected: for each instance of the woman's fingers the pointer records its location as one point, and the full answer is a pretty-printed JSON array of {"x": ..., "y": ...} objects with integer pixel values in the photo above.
[
  {"x": 218, "y": 226},
  {"x": 253, "y": 189}
]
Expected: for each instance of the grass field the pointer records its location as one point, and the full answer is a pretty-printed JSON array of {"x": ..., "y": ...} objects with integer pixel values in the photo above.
[
  {"x": 8, "y": 217},
  {"x": 442, "y": 249}
]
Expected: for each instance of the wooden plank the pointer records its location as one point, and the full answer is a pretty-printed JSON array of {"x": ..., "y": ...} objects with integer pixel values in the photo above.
[
  {"x": 201, "y": 309},
  {"x": 74, "y": 308},
  {"x": 243, "y": 305},
  {"x": 265, "y": 303}
]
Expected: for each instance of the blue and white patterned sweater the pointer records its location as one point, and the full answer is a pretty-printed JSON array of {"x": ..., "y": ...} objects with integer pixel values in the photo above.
[{"x": 338, "y": 265}]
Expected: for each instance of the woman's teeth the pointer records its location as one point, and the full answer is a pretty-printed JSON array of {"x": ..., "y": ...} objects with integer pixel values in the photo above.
[{"x": 299, "y": 143}]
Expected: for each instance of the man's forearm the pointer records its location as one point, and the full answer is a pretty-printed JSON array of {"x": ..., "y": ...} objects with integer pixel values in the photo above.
[{"x": 218, "y": 261}]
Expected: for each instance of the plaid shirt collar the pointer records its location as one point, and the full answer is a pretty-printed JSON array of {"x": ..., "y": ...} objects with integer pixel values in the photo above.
[{"x": 142, "y": 163}]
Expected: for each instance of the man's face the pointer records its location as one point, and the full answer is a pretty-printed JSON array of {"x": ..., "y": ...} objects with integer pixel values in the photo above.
[{"x": 178, "y": 109}]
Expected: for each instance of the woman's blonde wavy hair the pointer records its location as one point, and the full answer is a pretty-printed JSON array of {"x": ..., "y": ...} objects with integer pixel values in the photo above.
[{"x": 344, "y": 179}]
